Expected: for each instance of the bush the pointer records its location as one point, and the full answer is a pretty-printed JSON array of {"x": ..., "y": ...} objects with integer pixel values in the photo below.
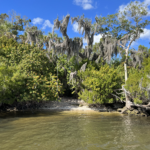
[
  {"x": 27, "y": 74},
  {"x": 4, "y": 41},
  {"x": 138, "y": 83},
  {"x": 41, "y": 88},
  {"x": 98, "y": 85},
  {"x": 132, "y": 84}
]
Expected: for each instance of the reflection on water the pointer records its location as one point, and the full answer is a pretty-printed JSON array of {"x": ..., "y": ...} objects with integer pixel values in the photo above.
[{"x": 73, "y": 131}]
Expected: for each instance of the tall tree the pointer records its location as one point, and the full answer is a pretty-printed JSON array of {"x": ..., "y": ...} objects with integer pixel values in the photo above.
[
  {"x": 132, "y": 22},
  {"x": 120, "y": 30}
]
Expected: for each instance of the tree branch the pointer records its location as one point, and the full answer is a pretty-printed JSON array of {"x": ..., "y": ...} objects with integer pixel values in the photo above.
[
  {"x": 117, "y": 97},
  {"x": 122, "y": 45}
]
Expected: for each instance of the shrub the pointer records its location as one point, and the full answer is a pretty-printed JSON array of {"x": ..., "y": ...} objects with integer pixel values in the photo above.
[
  {"x": 98, "y": 85},
  {"x": 27, "y": 74},
  {"x": 138, "y": 83}
]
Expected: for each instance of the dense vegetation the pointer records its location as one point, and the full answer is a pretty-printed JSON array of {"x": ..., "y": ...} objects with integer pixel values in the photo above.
[
  {"x": 30, "y": 72},
  {"x": 26, "y": 74},
  {"x": 99, "y": 85}
]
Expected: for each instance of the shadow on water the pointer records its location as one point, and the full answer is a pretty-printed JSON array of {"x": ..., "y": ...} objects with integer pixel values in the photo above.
[{"x": 36, "y": 113}]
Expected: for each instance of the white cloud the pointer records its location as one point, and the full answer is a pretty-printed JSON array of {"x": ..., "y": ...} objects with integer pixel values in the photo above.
[
  {"x": 75, "y": 27},
  {"x": 96, "y": 39},
  {"x": 85, "y": 4},
  {"x": 83, "y": 46},
  {"x": 84, "y": 41},
  {"x": 122, "y": 7},
  {"x": 47, "y": 23},
  {"x": 37, "y": 20},
  {"x": 146, "y": 34},
  {"x": 147, "y": 2}
]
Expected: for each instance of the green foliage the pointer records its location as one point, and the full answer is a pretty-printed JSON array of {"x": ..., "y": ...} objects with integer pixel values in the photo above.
[
  {"x": 3, "y": 18},
  {"x": 26, "y": 74},
  {"x": 4, "y": 41},
  {"x": 98, "y": 85},
  {"x": 65, "y": 66},
  {"x": 96, "y": 48},
  {"x": 5, "y": 28},
  {"x": 41, "y": 88},
  {"x": 132, "y": 84},
  {"x": 108, "y": 24},
  {"x": 5, "y": 76},
  {"x": 138, "y": 82},
  {"x": 11, "y": 24},
  {"x": 137, "y": 101},
  {"x": 145, "y": 49},
  {"x": 75, "y": 85}
]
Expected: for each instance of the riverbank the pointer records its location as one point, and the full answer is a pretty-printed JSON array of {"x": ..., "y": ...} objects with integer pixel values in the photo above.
[
  {"x": 64, "y": 104},
  {"x": 71, "y": 104}
]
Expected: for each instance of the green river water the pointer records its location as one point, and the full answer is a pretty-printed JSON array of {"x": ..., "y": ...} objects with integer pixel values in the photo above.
[{"x": 73, "y": 131}]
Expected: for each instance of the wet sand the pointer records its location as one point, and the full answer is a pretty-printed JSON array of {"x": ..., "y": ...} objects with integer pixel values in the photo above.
[{"x": 70, "y": 104}]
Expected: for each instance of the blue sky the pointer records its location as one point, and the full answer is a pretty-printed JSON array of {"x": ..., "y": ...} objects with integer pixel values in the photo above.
[{"x": 44, "y": 12}]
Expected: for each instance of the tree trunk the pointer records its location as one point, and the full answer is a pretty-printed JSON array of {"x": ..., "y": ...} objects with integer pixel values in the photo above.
[
  {"x": 125, "y": 70},
  {"x": 128, "y": 103}
]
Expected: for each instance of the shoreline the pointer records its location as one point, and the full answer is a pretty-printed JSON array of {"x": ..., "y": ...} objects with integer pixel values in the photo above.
[
  {"x": 64, "y": 104},
  {"x": 73, "y": 105},
  {"x": 70, "y": 104},
  {"x": 71, "y": 108}
]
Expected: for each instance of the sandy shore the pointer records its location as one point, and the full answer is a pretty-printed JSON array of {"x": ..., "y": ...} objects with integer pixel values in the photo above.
[{"x": 70, "y": 104}]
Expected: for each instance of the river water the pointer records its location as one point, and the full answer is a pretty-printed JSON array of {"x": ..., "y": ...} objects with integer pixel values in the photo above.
[{"x": 73, "y": 131}]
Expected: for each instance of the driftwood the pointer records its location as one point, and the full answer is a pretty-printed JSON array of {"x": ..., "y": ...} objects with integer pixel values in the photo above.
[{"x": 130, "y": 106}]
